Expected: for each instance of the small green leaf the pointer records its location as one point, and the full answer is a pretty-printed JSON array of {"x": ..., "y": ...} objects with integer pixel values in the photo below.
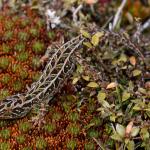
[
  {"x": 85, "y": 33},
  {"x": 136, "y": 72},
  {"x": 75, "y": 80},
  {"x": 101, "y": 96},
  {"x": 120, "y": 130},
  {"x": 93, "y": 85},
  {"x": 135, "y": 131},
  {"x": 87, "y": 44},
  {"x": 116, "y": 137},
  {"x": 131, "y": 145},
  {"x": 86, "y": 78},
  {"x": 96, "y": 37},
  {"x": 125, "y": 96}
]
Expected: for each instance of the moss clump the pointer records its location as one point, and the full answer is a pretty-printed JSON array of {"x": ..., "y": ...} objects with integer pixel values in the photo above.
[
  {"x": 24, "y": 127},
  {"x": 5, "y": 134},
  {"x": 41, "y": 144},
  {"x": 51, "y": 35},
  {"x": 38, "y": 47},
  {"x": 4, "y": 93},
  {"x": 6, "y": 48},
  {"x": 4, "y": 63},
  {"x": 72, "y": 144},
  {"x": 36, "y": 62},
  {"x": 4, "y": 146},
  {"x": 22, "y": 56},
  {"x": 73, "y": 129},
  {"x": 20, "y": 139},
  {"x": 5, "y": 79},
  {"x": 50, "y": 128},
  {"x": 8, "y": 35},
  {"x": 34, "y": 32},
  {"x": 23, "y": 36},
  {"x": 17, "y": 86},
  {"x": 19, "y": 47},
  {"x": 93, "y": 133},
  {"x": 89, "y": 146},
  {"x": 74, "y": 116}
]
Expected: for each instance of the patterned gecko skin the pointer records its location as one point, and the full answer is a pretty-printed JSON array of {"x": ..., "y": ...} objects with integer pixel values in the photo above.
[{"x": 60, "y": 66}]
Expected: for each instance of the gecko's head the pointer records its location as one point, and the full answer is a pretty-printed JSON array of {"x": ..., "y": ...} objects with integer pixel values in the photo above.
[{"x": 12, "y": 108}]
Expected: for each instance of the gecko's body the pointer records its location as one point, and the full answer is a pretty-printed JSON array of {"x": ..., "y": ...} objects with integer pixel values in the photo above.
[{"x": 60, "y": 65}]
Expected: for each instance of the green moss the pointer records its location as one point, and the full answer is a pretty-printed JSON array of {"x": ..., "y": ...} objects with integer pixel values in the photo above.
[
  {"x": 34, "y": 32},
  {"x": 23, "y": 73},
  {"x": 17, "y": 86},
  {"x": 89, "y": 146},
  {"x": 40, "y": 23},
  {"x": 15, "y": 68},
  {"x": 57, "y": 116},
  {"x": 20, "y": 139},
  {"x": 23, "y": 36},
  {"x": 72, "y": 144},
  {"x": 24, "y": 127},
  {"x": 8, "y": 25},
  {"x": 74, "y": 116},
  {"x": 5, "y": 134},
  {"x": 4, "y": 93},
  {"x": 6, "y": 48},
  {"x": 38, "y": 47},
  {"x": 36, "y": 62},
  {"x": 5, "y": 79},
  {"x": 4, "y": 146},
  {"x": 93, "y": 133},
  {"x": 20, "y": 47},
  {"x": 51, "y": 35},
  {"x": 36, "y": 76},
  {"x": 8, "y": 35},
  {"x": 27, "y": 148},
  {"x": 41, "y": 144},
  {"x": 25, "y": 22},
  {"x": 50, "y": 128},
  {"x": 96, "y": 121},
  {"x": 4, "y": 63},
  {"x": 23, "y": 56},
  {"x": 73, "y": 129}
]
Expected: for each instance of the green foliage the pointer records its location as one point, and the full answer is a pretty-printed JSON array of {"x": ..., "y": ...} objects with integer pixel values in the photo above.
[
  {"x": 22, "y": 56},
  {"x": 8, "y": 35},
  {"x": 4, "y": 63},
  {"x": 93, "y": 133},
  {"x": 5, "y": 134},
  {"x": 50, "y": 128},
  {"x": 41, "y": 144},
  {"x": 38, "y": 47},
  {"x": 5, "y": 79},
  {"x": 24, "y": 127},
  {"x": 20, "y": 139},
  {"x": 23, "y": 36},
  {"x": 19, "y": 47},
  {"x": 4, "y": 93},
  {"x": 72, "y": 144},
  {"x": 89, "y": 146},
  {"x": 74, "y": 116},
  {"x": 34, "y": 32},
  {"x": 4, "y": 146},
  {"x": 17, "y": 85},
  {"x": 73, "y": 129},
  {"x": 6, "y": 48},
  {"x": 36, "y": 63}
]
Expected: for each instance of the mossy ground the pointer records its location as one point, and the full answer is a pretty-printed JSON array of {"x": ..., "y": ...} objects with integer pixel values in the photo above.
[{"x": 23, "y": 41}]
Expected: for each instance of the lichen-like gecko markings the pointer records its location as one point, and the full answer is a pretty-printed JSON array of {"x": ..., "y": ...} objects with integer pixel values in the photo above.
[{"x": 60, "y": 65}]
